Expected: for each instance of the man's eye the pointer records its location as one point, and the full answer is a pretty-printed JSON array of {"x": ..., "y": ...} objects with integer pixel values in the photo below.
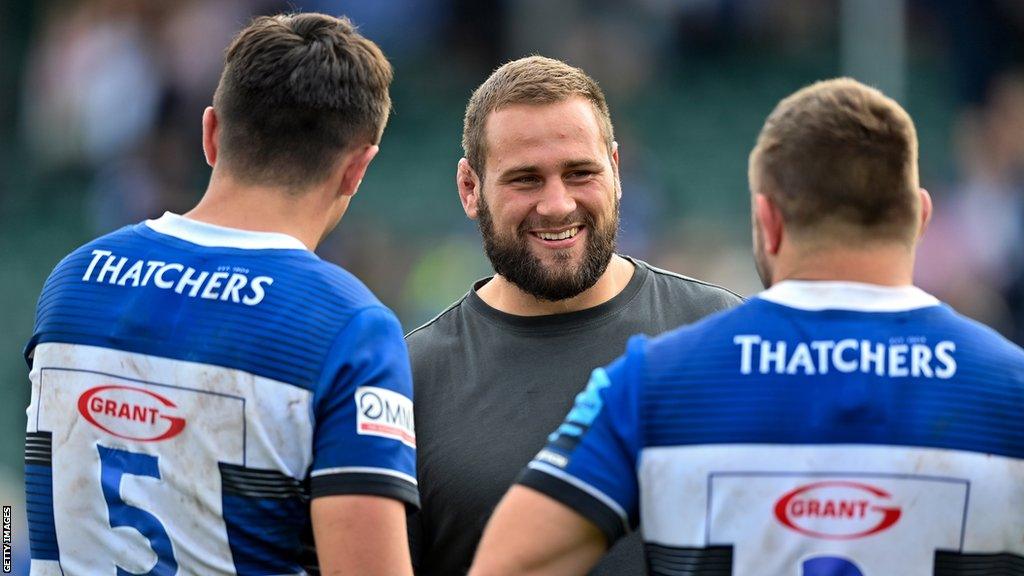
[
  {"x": 579, "y": 174},
  {"x": 526, "y": 180}
]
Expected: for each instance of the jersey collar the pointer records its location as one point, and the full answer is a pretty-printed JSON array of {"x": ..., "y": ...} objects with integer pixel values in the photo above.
[
  {"x": 211, "y": 235},
  {"x": 856, "y": 296}
]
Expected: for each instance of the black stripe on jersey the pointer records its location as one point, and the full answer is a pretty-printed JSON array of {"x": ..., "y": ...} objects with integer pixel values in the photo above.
[
  {"x": 367, "y": 483},
  {"x": 39, "y": 449},
  {"x": 256, "y": 483},
  {"x": 605, "y": 518},
  {"x": 956, "y": 564},
  {"x": 678, "y": 561}
]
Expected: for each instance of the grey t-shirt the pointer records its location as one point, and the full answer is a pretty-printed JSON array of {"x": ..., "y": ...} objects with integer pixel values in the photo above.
[{"x": 489, "y": 387}]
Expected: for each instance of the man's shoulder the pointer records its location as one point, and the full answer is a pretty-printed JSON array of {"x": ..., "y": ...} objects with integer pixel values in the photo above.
[
  {"x": 694, "y": 285},
  {"x": 123, "y": 236},
  {"x": 986, "y": 341},
  {"x": 701, "y": 295},
  {"x": 339, "y": 283},
  {"x": 724, "y": 324},
  {"x": 437, "y": 347},
  {"x": 939, "y": 321},
  {"x": 277, "y": 313},
  {"x": 438, "y": 330}
]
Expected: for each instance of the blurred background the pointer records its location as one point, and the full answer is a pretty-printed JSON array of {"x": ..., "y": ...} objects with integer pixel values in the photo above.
[{"x": 101, "y": 100}]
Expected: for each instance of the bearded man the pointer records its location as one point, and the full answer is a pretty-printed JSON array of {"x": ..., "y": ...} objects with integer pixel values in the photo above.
[{"x": 497, "y": 370}]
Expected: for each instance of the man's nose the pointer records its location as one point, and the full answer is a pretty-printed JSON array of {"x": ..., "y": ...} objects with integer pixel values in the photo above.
[{"x": 557, "y": 202}]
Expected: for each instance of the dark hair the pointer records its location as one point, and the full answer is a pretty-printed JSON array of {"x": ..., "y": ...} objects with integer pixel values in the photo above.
[
  {"x": 298, "y": 90},
  {"x": 530, "y": 80},
  {"x": 841, "y": 158}
]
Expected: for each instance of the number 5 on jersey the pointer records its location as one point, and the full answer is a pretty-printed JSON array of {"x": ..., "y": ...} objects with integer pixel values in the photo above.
[{"x": 114, "y": 465}]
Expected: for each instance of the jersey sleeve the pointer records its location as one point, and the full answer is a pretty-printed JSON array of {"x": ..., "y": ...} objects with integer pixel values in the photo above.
[
  {"x": 589, "y": 463},
  {"x": 364, "y": 440}
]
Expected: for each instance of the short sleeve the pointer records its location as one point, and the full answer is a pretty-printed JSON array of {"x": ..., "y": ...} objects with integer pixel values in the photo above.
[
  {"x": 589, "y": 463},
  {"x": 364, "y": 439}
]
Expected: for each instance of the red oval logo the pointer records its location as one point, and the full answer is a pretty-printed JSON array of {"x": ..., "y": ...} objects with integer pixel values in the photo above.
[
  {"x": 837, "y": 510},
  {"x": 130, "y": 413}
]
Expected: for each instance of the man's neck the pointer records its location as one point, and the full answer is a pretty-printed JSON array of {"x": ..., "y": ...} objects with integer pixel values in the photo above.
[
  {"x": 505, "y": 296},
  {"x": 262, "y": 209},
  {"x": 884, "y": 265}
]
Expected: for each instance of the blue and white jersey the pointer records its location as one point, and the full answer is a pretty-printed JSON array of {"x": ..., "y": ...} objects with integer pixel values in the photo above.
[
  {"x": 822, "y": 428},
  {"x": 193, "y": 387}
]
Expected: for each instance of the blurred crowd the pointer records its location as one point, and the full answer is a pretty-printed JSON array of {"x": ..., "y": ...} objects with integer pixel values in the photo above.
[
  {"x": 972, "y": 254},
  {"x": 114, "y": 90}
]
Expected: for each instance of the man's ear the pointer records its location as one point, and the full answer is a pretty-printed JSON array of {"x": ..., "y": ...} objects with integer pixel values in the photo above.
[
  {"x": 469, "y": 188},
  {"x": 770, "y": 227},
  {"x": 355, "y": 168},
  {"x": 211, "y": 135},
  {"x": 926, "y": 211},
  {"x": 615, "y": 167}
]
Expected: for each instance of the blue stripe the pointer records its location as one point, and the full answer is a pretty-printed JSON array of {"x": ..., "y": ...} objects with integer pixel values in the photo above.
[
  {"x": 263, "y": 533},
  {"x": 694, "y": 394},
  {"x": 286, "y": 337},
  {"x": 42, "y": 528}
]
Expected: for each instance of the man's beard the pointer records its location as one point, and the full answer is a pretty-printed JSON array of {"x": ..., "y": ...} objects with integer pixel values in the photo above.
[{"x": 513, "y": 260}]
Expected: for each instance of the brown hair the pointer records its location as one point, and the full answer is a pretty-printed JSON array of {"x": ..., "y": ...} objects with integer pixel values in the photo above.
[
  {"x": 531, "y": 80},
  {"x": 841, "y": 157},
  {"x": 297, "y": 90}
]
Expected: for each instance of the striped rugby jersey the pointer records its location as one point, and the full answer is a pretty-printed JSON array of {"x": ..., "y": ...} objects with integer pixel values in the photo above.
[
  {"x": 820, "y": 429},
  {"x": 193, "y": 386}
]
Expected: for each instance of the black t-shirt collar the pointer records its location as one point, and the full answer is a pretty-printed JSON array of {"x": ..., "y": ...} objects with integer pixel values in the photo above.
[{"x": 549, "y": 322}]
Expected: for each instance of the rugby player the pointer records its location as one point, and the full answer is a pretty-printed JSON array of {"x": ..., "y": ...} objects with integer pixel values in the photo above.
[
  {"x": 496, "y": 371},
  {"x": 841, "y": 423},
  {"x": 205, "y": 389}
]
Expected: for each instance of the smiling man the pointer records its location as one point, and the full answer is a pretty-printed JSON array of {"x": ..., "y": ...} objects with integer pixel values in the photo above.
[{"x": 496, "y": 371}]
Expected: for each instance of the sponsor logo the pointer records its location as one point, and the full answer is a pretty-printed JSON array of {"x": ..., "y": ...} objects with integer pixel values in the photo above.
[
  {"x": 225, "y": 283},
  {"x": 553, "y": 458},
  {"x": 837, "y": 510},
  {"x": 900, "y": 357},
  {"x": 385, "y": 413},
  {"x": 130, "y": 413}
]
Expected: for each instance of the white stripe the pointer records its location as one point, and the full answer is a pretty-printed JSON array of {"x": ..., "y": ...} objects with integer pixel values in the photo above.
[
  {"x": 565, "y": 476},
  {"x": 205, "y": 234},
  {"x": 679, "y": 493},
  {"x": 365, "y": 470},
  {"x": 855, "y": 296},
  {"x": 45, "y": 568}
]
